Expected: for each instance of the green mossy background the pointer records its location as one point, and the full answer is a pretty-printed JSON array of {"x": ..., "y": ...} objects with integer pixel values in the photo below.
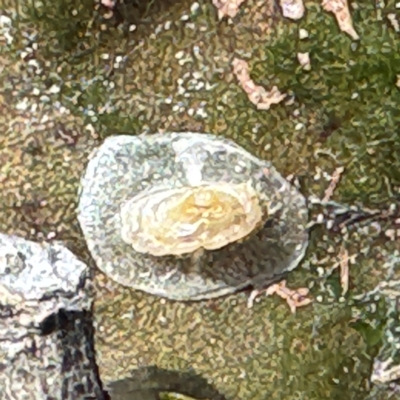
[{"x": 72, "y": 76}]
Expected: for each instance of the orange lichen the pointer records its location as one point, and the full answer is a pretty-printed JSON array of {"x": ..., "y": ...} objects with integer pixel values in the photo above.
[
  {"x": 227, "y": 8},
  {"x": 340, "y": 9},
  {"x": 258, "y": 95},
  {"x": 294, "y": 297},
  {"x": 332, "y": 185}
]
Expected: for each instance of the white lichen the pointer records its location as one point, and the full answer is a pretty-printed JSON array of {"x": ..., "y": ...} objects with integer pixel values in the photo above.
[{"x": 293, "y": 9}]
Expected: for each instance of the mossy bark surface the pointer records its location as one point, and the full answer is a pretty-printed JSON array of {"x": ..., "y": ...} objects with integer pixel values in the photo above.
[{"x": 70, "y": 77}]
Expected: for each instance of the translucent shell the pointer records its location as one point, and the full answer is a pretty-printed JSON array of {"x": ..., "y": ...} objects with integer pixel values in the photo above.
[{"x": 189, "y": 216}]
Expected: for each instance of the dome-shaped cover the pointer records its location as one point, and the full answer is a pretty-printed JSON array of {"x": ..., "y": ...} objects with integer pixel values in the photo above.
[{"x": 189, "y": 216}]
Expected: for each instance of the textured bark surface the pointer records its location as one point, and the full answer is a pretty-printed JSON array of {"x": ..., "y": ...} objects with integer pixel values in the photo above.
[
  {"x": 46, "y": 335},
  {"x": 69, "y": 77}
]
